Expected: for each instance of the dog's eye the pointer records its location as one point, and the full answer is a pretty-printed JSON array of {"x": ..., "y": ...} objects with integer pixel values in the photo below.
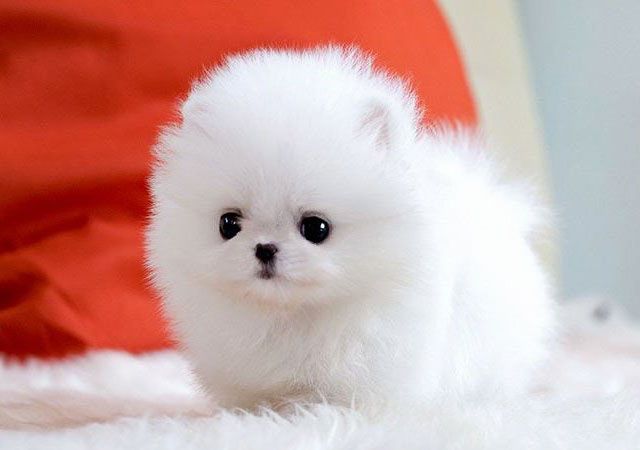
[
  {"x": 314, "y": 229},
  {"x": 229, "y": 225}
]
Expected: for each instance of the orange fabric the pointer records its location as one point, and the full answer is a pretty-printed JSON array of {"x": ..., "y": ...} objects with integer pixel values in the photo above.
[{"x": 84, "y": 87}]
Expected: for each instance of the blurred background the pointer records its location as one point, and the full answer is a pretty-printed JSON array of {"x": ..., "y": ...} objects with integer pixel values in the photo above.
[
  {"x": 558, "y": 91},
  {"x": 585, "y": 66},
  {"x": 85, "y": 86}
]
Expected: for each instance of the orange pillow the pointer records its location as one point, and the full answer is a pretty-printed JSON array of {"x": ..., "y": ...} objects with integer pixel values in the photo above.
[{"x": 84, "y": 87}]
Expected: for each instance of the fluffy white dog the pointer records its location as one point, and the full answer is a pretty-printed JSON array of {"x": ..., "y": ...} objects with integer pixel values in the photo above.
[{"x": 313, "y": 241}]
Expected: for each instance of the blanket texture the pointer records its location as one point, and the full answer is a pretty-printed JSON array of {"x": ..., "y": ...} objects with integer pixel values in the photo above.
[{"x": 588, "y": 398}]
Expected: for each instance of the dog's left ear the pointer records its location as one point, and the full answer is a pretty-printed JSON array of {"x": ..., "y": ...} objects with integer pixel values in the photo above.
[{"x": 376, "y": 122}]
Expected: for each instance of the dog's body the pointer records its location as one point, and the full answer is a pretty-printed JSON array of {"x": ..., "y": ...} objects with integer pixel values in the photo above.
[{"x": 312, "y": 241}]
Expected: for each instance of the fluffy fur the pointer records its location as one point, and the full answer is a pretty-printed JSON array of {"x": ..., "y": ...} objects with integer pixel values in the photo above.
[
  {"x": 427, "y": 285},
  {"x": 589, "y": 399}
]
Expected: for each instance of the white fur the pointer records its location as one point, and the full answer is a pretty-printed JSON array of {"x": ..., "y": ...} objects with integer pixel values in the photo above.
[
  {"x": 427, "y": 285},
  {"x": 589, "y": 398}
]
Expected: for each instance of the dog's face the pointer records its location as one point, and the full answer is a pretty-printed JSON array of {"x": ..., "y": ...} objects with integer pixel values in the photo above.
[{"x": 281, "y": 205}]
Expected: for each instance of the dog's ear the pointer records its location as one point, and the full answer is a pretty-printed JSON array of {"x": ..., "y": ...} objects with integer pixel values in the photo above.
[
  {"x": 376, "y": 122},
  {"x": 193, "y": 112}
]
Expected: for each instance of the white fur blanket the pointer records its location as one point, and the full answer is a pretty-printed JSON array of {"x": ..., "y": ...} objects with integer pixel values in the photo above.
[{"x": 589, "y": 399}]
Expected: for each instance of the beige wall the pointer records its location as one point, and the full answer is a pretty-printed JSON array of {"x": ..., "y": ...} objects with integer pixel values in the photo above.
[{"x": 489, "y": 36}]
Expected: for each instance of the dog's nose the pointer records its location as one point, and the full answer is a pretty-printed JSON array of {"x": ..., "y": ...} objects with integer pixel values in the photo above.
[{"x": 266, "y": 252}]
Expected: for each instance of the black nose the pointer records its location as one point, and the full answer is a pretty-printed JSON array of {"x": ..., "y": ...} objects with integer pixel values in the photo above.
[{"x": 266, "y": 252}]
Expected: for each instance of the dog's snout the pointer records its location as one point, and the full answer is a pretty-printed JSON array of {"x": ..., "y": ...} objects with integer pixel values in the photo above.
[{"x": 266, "y": 252}]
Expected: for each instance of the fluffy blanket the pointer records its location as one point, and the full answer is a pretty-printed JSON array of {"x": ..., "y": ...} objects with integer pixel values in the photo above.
[{"x": 588, "y": 398}]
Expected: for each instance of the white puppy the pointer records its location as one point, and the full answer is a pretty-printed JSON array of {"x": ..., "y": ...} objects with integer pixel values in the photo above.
[{"x": 311, "y": 240}]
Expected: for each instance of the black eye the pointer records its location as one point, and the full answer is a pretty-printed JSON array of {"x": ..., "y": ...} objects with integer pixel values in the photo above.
[
  {"x": 229, "y": 225},
  {"x": 314, "y": 229}
]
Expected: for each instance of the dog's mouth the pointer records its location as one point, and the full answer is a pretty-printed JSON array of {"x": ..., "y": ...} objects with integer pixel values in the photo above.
[{"x": 266, "y": 272}]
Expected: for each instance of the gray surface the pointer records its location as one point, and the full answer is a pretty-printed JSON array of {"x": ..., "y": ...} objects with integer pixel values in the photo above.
[{"x": 585, "y": 59}]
